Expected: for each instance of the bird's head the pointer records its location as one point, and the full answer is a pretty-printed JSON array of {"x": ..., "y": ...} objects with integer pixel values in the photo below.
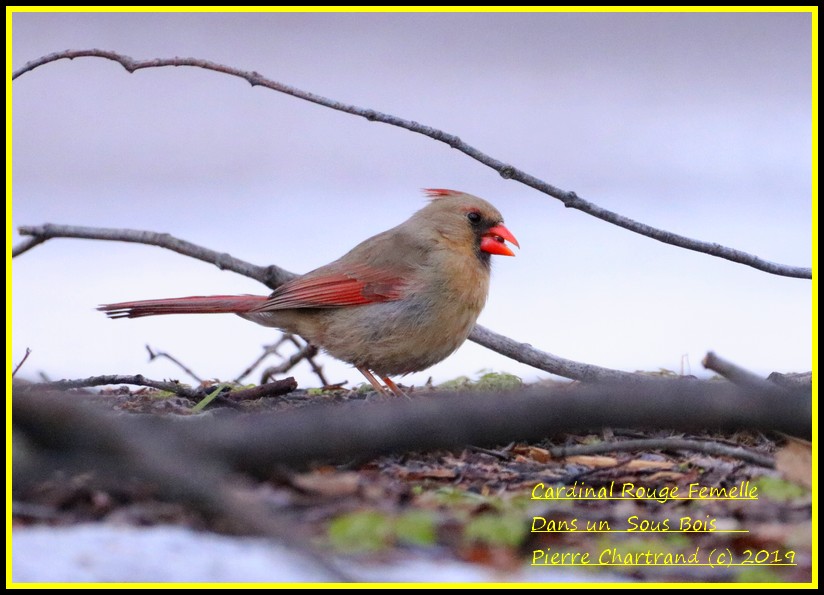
[{"x": 468, "y": 221}]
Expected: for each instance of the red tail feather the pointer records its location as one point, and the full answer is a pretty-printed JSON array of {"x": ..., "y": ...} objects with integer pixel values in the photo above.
[{"x": 213, "y": 304}]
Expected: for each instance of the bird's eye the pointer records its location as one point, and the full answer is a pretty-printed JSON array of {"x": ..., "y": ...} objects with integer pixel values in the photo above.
[{"x": 474, "y": 216}]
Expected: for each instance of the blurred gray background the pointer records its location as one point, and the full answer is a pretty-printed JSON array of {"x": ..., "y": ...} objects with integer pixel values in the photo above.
[{"x": 696, "y": 123}]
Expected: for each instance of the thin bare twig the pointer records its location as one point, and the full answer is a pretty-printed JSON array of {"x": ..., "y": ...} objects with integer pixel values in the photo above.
[
  {"x": 22, "y": 361},
  {"x": 307, "y": 352},
  {"x": 302, "y": 353},
  {"x": 311, "y": 352},
  {"x": 153, "y": 355},
  {"x": 507, "y": 171},
  {"x": 267, "y": 351},
  {"x": 138, "y": 380},
  {"x": 668, "y": 444}
]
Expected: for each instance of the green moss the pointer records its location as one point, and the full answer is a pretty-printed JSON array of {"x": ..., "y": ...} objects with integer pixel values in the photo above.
[
  {"x": 779, "y": 489},
  {"x": 361, "y": 531},
  {"x": 458, "y": 383},
  {"x": 498, "y": 381},
  {"x": 372, "y": 530},
  {"x": 416, "y": 527},
  {"x": 488, "y": 381},
  {"x": 758, "y": 574},
  {"x": 494, "y": 529}
]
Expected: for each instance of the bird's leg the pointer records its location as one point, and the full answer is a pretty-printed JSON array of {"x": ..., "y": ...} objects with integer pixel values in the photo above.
[
  {"x": 394, "y": 387},
  {"x": 373, "y": 381}
]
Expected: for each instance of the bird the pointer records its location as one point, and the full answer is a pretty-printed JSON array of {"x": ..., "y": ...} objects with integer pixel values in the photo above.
[{"x": 398, "y": 302}]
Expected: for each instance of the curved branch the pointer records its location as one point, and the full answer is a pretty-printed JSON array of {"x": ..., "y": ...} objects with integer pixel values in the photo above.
[
  {"x": 527, "y": 354},
  {"x": 570, "y": 199},
  {"x": 272, "y": 276}
]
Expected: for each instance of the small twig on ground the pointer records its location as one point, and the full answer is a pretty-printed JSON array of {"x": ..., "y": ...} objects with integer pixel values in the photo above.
[
  {"x": 306, "y": 352},
  {"x": 22, "y": 361},
  {"x": 276, "y": 388},
  {"x": 267, "y": 351},
  {"x": 669, "y": 444},
  {"x": 503, "y": 456},
  {"x": 310, "y": 357},
  {"x": 155, "y": 354},
  {"x": 736, "y": 374},
  {"x": 138, "y": 380}
]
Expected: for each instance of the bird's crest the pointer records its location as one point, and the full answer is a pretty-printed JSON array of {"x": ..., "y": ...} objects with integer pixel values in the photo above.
[{"x": 434, "y": 193}]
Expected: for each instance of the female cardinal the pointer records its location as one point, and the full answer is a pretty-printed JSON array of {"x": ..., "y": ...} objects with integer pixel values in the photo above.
[{"x": 397, "y": 303}]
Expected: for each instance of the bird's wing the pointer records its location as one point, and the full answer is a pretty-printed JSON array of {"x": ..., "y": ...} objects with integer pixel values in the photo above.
[{"x": 331, "y": 289}]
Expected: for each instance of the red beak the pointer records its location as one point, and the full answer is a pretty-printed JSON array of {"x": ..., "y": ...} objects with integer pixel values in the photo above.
[{"x": 494, "y": 241}]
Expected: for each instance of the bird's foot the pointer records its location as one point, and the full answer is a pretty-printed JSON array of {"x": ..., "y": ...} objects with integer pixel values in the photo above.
[{"x": 381, "y": 390}]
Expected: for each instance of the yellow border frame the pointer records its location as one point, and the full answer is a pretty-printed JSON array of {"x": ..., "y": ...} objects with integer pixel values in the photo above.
[{"x": 813, "y": 10}]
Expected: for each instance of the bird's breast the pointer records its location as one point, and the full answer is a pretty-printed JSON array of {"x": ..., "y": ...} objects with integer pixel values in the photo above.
[{"x": 432, "y": 318}]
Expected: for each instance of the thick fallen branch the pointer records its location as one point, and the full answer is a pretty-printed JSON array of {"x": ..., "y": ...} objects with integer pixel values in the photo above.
[
  {"x": 507, "y": 171},
  {"x": 449, "y": 421},
  {"x": 59, "y": 435},
  {"x": 363, "y": 430}
]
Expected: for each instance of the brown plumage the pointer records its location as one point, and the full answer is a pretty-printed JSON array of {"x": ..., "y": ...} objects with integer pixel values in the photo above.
[{"x": 396, "y": 303}]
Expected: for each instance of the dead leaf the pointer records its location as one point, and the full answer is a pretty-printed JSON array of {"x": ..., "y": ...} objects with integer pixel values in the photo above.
[
  {"x": 794, "y": 461},
  {"x": 641, "y": 465},
  {"x": 666, "y": 476},
  {"x": 434, "y": 473},
  {"x": 328, "y": 484},
  {"x": 593, "y": 461},
  {"x": 536, "y": 453}
]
